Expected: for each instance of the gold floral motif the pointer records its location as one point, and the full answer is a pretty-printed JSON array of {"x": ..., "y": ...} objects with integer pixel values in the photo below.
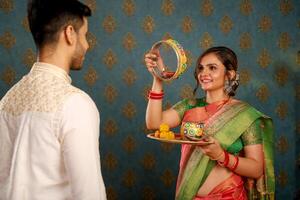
[
  {"x": 111, "y": 193},
  {"x": 110, "y": 127},
  {"x": 92, "y": 40},
  {"x": 110, "y": 93},
  {"x": 129, "y": 7},
  {"x": 129, "y": 42},
  {"x": 109, "y": 24},
  {"x": 246, "y": 7},
  {"x": 298, "y": 58},
  {"x": 129, "y": 110},
  {"x": 148, "y": 193},
  {"x": 282, "y": 110},
  {"x": 129, "y": 76},
  {"x": 226, "y": 24},
  {"x": 92, "y": 4},
  {"x": 282, "y": 144},
  {"x": 8, "y": 75},
  {"x": 148, "y": 24},
  {"x": 167, "y": 147},
  {"x": 286, "y": 7},
  {"x": 25, "y": 24},
  {"x": 265, "y": 24},
  {"x": 284, "y": 41},
  {"x": 7, "y": 40},
  {"x": 129, "y": 178},
  {"x": 245, "y": 41},
  {"x": 299, "y": 24},
  {"x": 91, "y": 76},
  {"x": 146, "y": 91},
  {"x": 167, "y": 7},
  {"x": 282, "y": 178},
  {"x": 186, "y": 91},
  {"x": 29, "y": 58},
  {"x": 206, "y": 41},
  {"x": 281, "y": 76},
  {"x": 129, "y": 144},
  {"x": 110, "y": 161},
  {"x": 245, "y": 76},
  {"x": 263, "y": 93},
  {"x": 189, "y": 58},
  {"x": 264, "y": 59},
  {"x": 187, "y": 24},
  {"x": 148, "y": 161},
  {"x": 207, "y": 8},
  {"x": 110, "y": 59},
  {"x": 297, "y": 91},
  {"x": 168, "y": 178},
  {"x": 6, "y": 5}
]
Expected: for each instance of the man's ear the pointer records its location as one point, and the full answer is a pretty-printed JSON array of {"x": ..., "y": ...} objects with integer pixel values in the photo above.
[{"x": 70, "y": 34}]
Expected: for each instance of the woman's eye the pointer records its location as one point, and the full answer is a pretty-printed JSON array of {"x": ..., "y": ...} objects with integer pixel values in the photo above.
[
  {"x": 212, "y": 68},
  {"x": 200, "y": 68}
]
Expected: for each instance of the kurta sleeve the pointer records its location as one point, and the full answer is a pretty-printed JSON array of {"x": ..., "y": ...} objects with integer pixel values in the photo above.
[{"x": 80, "y": 147}]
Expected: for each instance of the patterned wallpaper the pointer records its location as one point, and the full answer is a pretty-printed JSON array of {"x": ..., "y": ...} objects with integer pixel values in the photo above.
[{"x": 263, "y": 33}]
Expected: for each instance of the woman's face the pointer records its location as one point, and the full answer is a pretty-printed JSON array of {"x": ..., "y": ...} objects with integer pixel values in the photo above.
[{"x": 212, "y": 73}]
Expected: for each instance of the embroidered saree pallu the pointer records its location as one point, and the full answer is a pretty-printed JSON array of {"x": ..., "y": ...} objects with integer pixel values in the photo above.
[{"x": 227, "y": 125}]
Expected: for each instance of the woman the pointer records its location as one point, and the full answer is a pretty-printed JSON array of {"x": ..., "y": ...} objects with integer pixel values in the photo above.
[{"x": 237, "y": 162}]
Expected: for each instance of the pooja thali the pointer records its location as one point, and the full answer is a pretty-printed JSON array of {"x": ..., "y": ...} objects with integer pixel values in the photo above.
[{"x": 179, "y": 140}]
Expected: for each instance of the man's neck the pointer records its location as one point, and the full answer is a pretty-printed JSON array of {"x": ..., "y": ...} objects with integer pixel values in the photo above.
[{"x": 56, "y": 58}]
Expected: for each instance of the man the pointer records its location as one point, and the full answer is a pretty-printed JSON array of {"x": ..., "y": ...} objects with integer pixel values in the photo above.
[{"x": 48, "y": 128}]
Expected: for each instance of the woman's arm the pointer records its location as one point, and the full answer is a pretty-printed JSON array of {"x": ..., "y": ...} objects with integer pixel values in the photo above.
[
  {"x": 154, "y": 113},
  {"x": 251, "y": 165}
]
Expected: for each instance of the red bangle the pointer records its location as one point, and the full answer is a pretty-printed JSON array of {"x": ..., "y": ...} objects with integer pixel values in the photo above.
[
  {"x": 156, "y": 96},
  {"x": 226, "y": 160},
  {"x": 235, "y": 164},
  {"x": 156, "y": 93}
]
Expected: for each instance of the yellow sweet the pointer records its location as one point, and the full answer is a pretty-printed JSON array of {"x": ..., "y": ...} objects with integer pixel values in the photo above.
[
  {"x": 157, "y": 134},
  {"x": 170, "y": 135},
  {"x": 163, "y": 135},
  {"x": 164, "y": 127},
  {"x": 164, "y": 132}
]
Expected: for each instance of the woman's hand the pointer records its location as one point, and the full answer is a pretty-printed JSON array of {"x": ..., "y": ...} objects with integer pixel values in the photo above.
[
  {"x": 153, "y": 59},
  {"x": 211, "y": 147}
]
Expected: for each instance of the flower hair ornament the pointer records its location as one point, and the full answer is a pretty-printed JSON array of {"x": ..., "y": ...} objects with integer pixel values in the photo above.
[{"x": 232, "y": 85}]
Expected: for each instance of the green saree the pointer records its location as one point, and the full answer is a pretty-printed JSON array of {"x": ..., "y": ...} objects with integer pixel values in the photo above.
[{"x": 227, "y": 126}]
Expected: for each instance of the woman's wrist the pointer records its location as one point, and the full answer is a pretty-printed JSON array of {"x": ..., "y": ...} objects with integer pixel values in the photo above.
[
  {"x": 219, "y": 156},
  {"x": 157, "y": 85}
]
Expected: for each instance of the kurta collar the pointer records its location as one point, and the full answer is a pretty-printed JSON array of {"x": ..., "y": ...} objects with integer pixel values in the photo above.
[{"x": 53, "y": 69}]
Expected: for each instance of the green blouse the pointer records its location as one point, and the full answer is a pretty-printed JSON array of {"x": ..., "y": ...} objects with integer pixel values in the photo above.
[{"x": 251, "y": 136}]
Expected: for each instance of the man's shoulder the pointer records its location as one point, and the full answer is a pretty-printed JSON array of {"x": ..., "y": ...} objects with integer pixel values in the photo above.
[{"x": 79, "y": 95}]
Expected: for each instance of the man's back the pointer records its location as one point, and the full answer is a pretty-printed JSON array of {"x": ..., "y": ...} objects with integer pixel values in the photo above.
[{"x": 43, "y": 135}]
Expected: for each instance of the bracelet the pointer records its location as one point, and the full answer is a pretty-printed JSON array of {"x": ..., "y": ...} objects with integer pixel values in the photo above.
[
  {"x": 218, "y": 157},
  {"x": 226, "y": 160},
  {"x": 235, "y": 164},
  {"x": 155, "y": 95}
]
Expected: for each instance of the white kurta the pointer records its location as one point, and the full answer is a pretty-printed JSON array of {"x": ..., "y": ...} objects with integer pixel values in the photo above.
[{"x": 49, "y": 133}]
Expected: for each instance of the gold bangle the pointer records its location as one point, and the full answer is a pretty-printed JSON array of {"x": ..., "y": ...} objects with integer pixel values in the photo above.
[{"x": 218, "y": 157}]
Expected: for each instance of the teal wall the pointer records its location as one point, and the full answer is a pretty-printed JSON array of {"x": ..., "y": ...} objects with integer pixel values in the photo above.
[{"x": 263, "y": 33}]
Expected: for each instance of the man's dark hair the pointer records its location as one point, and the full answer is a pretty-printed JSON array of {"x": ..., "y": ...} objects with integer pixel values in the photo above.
[{"x": 48, "y": 17}]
